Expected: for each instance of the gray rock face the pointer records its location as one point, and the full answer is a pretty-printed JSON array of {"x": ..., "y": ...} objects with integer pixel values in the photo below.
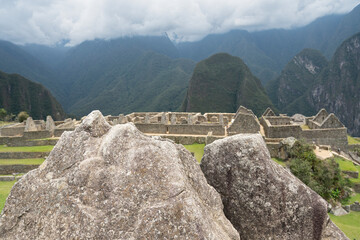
[
  {"x": 103, "y": 182},
  {"x": 261, "y": 198}
]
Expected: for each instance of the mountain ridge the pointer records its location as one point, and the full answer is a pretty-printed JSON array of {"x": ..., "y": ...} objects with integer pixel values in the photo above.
[{"x": 20, "y": 94}]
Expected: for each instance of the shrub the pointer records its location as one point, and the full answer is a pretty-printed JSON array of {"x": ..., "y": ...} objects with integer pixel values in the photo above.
[
  {"x": 3, "y": 114},
  {"x": 324, "y": 177},
  {"x": 357, "y": 151},
  {"x": 22, "y": 116}
]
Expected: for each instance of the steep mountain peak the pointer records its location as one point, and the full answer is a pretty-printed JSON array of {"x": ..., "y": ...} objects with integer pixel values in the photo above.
[
  {"x": 311, "y": 60},
  {"x": 20, "y": 94},
  {"x": 221, "y": 83},
  {"x": 296, "y": 78}
]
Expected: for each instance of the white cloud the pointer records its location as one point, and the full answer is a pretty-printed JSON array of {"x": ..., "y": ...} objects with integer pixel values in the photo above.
[{"x": 47, "y": 22}]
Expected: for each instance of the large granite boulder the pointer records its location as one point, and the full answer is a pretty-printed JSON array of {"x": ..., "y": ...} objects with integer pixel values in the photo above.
[
  {"x": 262, "y": 199},
  {"x": 103, "y": 182}
]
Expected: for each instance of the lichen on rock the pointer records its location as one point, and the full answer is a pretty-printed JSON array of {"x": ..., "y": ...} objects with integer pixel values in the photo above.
[
  {"x": 260, "y": 197},
  {"x": 103, "y": 182}
]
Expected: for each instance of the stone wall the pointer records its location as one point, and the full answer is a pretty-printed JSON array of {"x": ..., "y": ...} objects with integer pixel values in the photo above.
[
  {"x": 279, "y": 120},
  {"x": 356, "y": 187},
  {"x": 59, "y": 131},
  {"x": 152, "y": 128},
  {"x": 229, "y": 116},
  {"x": 21, "y": 142},
  {"x": 313, "y": 125},
  {"x": 185, "y": 129},
  {"x": 186, "y": 140},
  {"x": 22, "y": 155},
  {"x": 355, "y": 207},
  {"x": 273, "y": 149},
  {"x": 18, "y": 168},
  {"x": 336, "y": 138},
  {"x": 283, "y": 131},
  {"x": 4, "y": 140},
  {"x": 12, "y": 131},
  {"x": 352, "y": 147},
  {"x": 37, "y": 134},
  {"x": 244, "y": 123}
]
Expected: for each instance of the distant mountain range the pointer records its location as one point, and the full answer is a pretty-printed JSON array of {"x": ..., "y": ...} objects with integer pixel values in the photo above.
[
  {"x": 19, "y": 94},
  {"x": 152, "y": 73}
]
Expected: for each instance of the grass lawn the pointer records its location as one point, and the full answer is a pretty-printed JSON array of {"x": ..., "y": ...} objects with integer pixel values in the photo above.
[
  {"x": 196, "y": 148},
  {"x": 304, "y": 127},
  {"x": 355, "y": 198},
  {"x": 27, "y": 161},
  {"x": 46, "y": 148},
  {"x": 5, "y": 188},
  {"x": 2, "y": 123},
  {"x": 349, "y": 224},
  {"x": 346, "y": 165},
  {"x": 352, "y": 140}
]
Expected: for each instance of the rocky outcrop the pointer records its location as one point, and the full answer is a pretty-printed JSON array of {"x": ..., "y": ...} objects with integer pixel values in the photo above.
[
  {"x": 336, "y": 88},
  {"x": 262, "y": 199},
  {"x": 103, "y": 182}
]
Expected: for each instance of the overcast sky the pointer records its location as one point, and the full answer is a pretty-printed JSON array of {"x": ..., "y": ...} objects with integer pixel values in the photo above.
[{"x": 50, "y": 21}]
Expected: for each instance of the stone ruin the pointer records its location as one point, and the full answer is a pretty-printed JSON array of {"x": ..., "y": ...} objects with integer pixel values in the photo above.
[
  {"x": 195, "y": 127},
  {"x": 321, "y": 129},
  {"x": 114, "y": 182},
  {"x": 35, "y": 129}
]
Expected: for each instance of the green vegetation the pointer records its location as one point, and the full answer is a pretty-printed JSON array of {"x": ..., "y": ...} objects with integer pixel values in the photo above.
[
  {"x": 2, "y": 123},
  {"x": 46, "y": 148},
  {"x": 352, "y": 140},
  {"x": 27, "y": 161},
  {"x": 324, "y": 177},
  {"x": 5, "y": 188},
  {"x": 355, "y": 197},
  {"x": 196, "y": 148},
  {"x": 349, "y": 224},
  {"x": 279, "y": 161},
  {"x": 141, "y": 69},
  {"x": 295, "y": 80},
  {"x": 3, "y": 114},
  {"x": 304, "y": 127},
  {"x": 345, "y": 165},
  {"x": 22, "y": 116},
  {"x": 20, "y": 94},
  {"x": 221, "y": 83}
]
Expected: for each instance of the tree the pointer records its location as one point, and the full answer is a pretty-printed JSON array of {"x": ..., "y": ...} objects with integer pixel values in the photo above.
[
  {"x": 322, "y": 176},
  {"x": 22, "y": 116},
  {"x": 3, "y": 114}
]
